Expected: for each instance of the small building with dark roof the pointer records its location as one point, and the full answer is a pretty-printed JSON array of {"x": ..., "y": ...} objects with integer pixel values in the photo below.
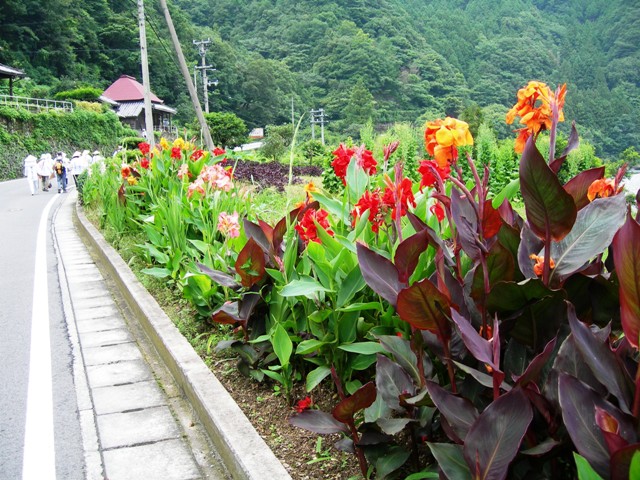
[
  {"x": 10, "y": 73},
  {"x": 126, "y": 96}
]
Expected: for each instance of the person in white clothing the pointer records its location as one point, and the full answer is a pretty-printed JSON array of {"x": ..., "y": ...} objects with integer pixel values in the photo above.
[
  {"x": 30, "y": 166},
  {"x": 79, "y": 164},
  {"x": 96, "y": 157},
  {"x": 44, "y": 169}
]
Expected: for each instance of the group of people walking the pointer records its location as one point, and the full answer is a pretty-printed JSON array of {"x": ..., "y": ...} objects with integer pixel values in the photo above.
[{"x": 40, "y": 173}]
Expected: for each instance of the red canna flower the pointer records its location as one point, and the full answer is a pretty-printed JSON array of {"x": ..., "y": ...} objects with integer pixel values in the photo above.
[
  {"x": 437, "y": 210},
  {"x": 402, "y": 196},
  {"x": 144, "y": 163},
  {"x": 125, "y": 170},
  {"x": 365, "y": 159},
  {"x": 370, "y": 201},
  {"x": 341, "y": 161},
  {"x": 144, "y": 147},
  {"x": 176, "y": 152},
  {"x": 196, "y": 155},
  {"x": 307, "y": 229},
  {"x": 218, "y": 151},
  {"x": 303, "y": 404},
  {"x": 426, "y": 169}
]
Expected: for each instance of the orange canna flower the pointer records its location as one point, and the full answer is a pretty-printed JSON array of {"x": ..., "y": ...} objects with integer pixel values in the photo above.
[
  {"x": 535, "y": 109},
  {"x": 538, "y": 268},
  {"x": 310, "y": 188},
  {"x": 604, "y": 187},
  {"x": 441, "y": 138},
  {"x": 131, "y": 180}
]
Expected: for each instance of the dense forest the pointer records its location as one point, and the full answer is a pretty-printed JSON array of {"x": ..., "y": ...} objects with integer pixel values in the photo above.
[{"x": 384, "y": 60}]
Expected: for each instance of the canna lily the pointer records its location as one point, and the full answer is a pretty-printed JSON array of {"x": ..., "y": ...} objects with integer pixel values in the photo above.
[
  {"x": 307, "y": 229},
  {"x": 373, "y": 202},
  {"x": 437, "y": 210},
  {"x": 179, "y": 143},
  {"x": 196, "y": 155},
  {"x": 176, "y": 153},
  {"x": 426, "y": 169},
  {"x": 604, "y": 187},
  {"x": 144, "y": 163},
  {"x": 183, "y": 171},
  {"x": 303, "y": 404},
  {"x": 535, "y": 109},
  {"x": 131, "y": 180},
  {"x": 401, "y": 195},
  {"x": 164, "y": 143},
  {"x": 228, "y": 225},
  {"x": 442, "y": 137},
  {"x": 125, "y": 170},
  {"x": 144, "y": 147},
  {"x": 538, "y": 268}
]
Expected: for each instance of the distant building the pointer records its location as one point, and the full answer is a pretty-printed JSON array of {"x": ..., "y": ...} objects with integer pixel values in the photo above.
[
  {"x": 256, "y": 134},
  {"x": 126, "y": 96},
  {"x": 10, "y": 73}
]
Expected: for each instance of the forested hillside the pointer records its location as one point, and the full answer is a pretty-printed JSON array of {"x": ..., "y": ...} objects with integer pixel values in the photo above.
[{"x": 389, "y": 60}]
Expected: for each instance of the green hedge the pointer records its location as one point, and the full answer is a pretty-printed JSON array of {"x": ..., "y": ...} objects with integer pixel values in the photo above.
[{"x": 23, "y": 133}]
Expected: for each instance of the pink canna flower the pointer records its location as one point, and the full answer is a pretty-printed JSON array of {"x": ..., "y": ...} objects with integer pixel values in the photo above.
[{"x": 228, "y": 225}]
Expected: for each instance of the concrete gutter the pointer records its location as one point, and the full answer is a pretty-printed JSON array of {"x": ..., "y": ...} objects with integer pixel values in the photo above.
[{"x": 244, "y": 452}]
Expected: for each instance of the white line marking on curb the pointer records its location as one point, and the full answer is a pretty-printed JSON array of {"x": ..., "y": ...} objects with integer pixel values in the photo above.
[{"x": 39, "y": 452}]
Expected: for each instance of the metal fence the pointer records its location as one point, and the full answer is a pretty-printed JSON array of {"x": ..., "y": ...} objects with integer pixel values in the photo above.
[{"x": 35, "y": 104}]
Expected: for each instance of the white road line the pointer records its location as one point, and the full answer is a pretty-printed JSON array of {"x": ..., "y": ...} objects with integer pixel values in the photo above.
[{"x": 39, "y": 460}]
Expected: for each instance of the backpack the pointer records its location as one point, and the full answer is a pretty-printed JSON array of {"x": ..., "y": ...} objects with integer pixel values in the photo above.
[{"x": 59, "y": 167}]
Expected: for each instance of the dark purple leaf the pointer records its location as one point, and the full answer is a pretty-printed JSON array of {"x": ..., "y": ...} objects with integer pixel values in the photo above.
[
  {"x": 402, "y": 353},
  {"x": 379, "y": 273},
  {"x": 451, "y": 461},
  {"x": 593, "y": 231},
  {"x": 394, "y": 457},
  {"x": 578, "y": 186},
  {"x": 319, "y": 422},
  {"x": 345, "y": 445},
  {"x": 601, "y": 360},
  {"x": 219, "y": 277},
  {"x": 434, "y": 239},
  {"x": 408, "y": 253},
  {"x": 248, "y": 304},
  {"x": 479, "y": 347},
  {"x": 392, "y": 381},
  {"x": 626, "y": 257},
  {"x": 494, "y": 439},
  {"x": 574, "y": 141},
  {"x": 254, "y": 231},
  {"x": 548, "y": 206},
  {"x": 361, "y": 398},
  {"x": 281, "y": 228},
  {"x": 500, "y": 266},
  {"x": 491, "y": 220},
  {"x": 532, "y": 372},
  {"x": 466, "y": 221},
  {"x": 227, "y": 314},
  {"x": 459, "y": 412},
  {"x": 250, "y": 263},
  {"x": 543, "y": 447},
  {"x": 424, "y": 307},
  {"x": 621, "y": 462},
  {"x": 578, "y": 404}
]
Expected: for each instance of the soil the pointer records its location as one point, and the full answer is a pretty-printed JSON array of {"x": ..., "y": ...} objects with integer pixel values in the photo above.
[{"x": 302, "y": 454}]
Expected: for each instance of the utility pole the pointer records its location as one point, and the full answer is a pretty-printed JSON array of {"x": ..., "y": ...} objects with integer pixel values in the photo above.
[
  {"x": 202, "y": 49},
  {"x": 148, "y": 113},
  {"x": 187, "y": 77},
  {"x": 317, "y": 116}
]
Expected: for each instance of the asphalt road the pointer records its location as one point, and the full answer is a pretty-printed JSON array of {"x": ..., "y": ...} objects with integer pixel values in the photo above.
[{"x": 20, "y": 215}]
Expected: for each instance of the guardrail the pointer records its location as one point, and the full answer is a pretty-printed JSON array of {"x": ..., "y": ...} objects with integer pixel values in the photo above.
[{"x": 35, "y": 104}]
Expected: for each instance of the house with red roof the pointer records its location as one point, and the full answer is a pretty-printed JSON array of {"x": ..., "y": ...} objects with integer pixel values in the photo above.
[{"x": 126, "y": 96}]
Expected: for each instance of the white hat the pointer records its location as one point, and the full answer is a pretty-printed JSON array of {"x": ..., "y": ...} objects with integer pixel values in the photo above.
[
  {"x": 85, "y": 152},
  {"x": 75, "y": 154},
  {"x": 97, "y": 152}
]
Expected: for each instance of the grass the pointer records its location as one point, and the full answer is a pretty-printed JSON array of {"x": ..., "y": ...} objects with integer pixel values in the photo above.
[{"x": 270, "y": 206}]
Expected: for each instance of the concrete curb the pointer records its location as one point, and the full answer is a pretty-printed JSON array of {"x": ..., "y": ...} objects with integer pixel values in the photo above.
[{"x": 244, "y": 452}]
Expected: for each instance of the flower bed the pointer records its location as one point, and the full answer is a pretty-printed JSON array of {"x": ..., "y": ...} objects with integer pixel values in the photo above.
[{"x": 461, "y": 339}]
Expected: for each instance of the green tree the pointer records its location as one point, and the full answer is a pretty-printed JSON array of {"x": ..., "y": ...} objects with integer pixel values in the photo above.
[{"x": 227, "y": 129}]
